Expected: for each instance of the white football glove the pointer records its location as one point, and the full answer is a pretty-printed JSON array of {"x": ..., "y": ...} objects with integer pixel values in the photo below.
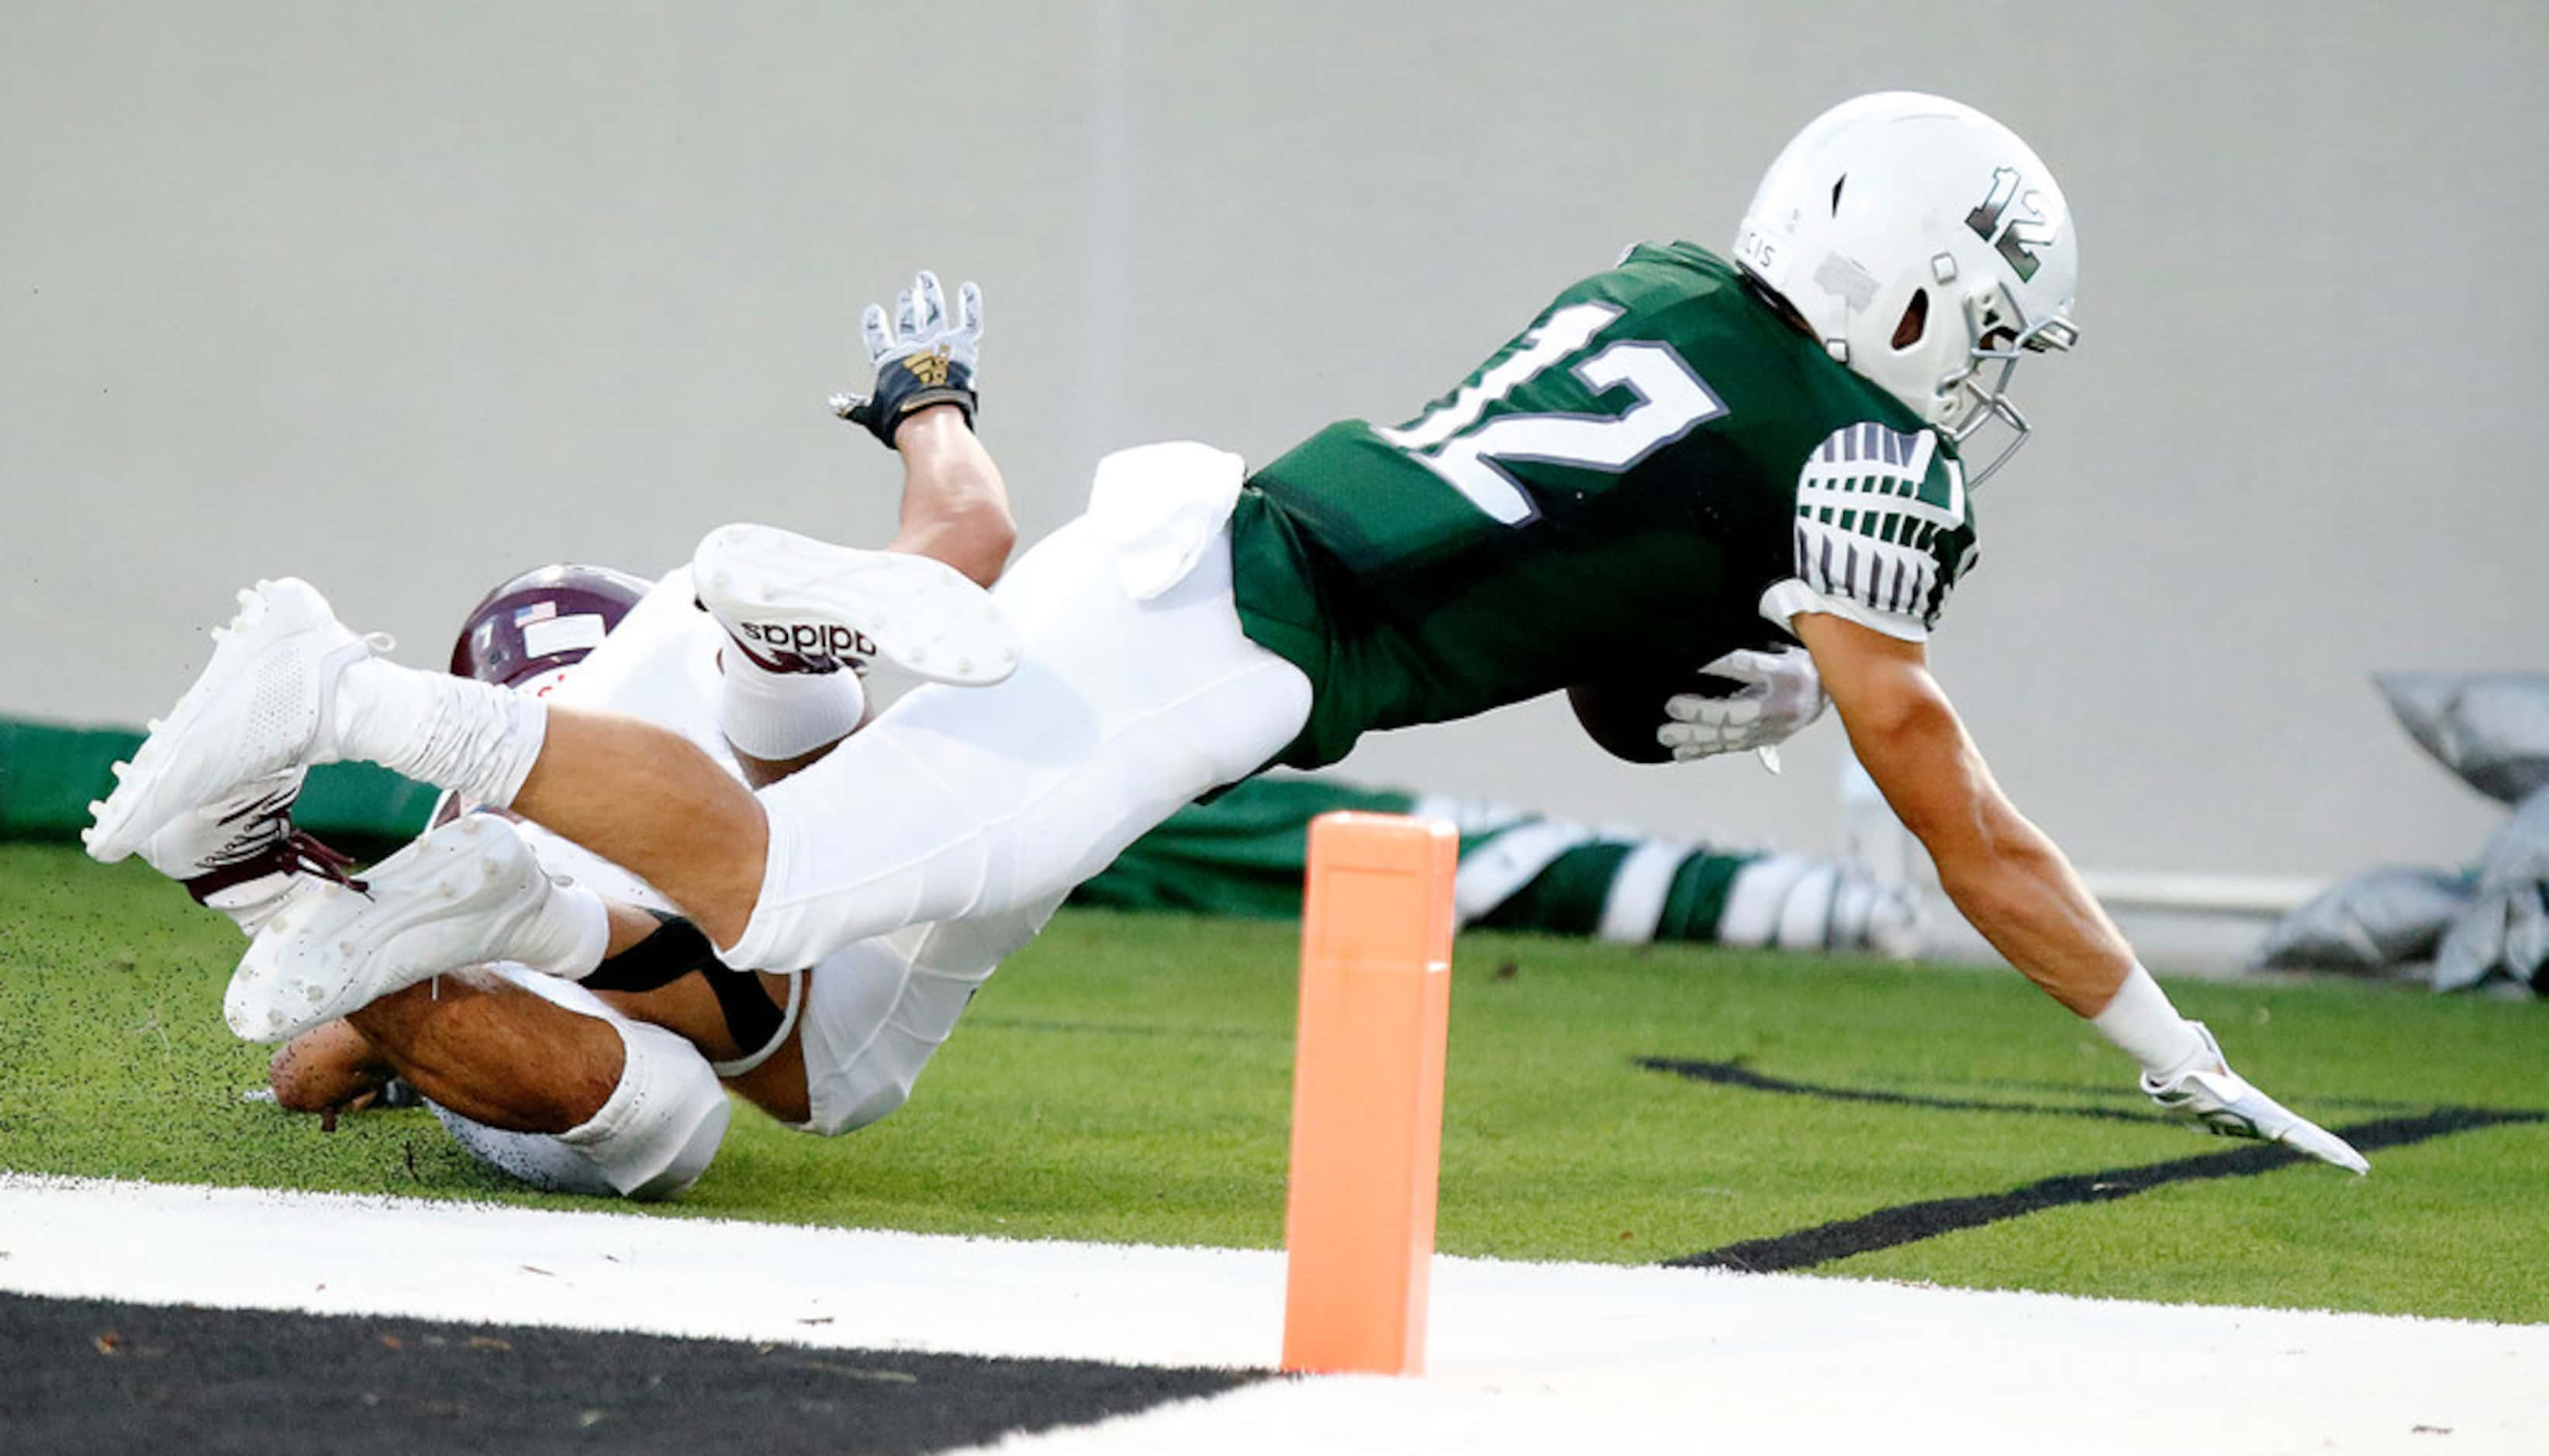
[
  {"x": 923, "y": 358},
  {"x": 1781, "y": 693},
  {"x": 2218, "y": 1100}
]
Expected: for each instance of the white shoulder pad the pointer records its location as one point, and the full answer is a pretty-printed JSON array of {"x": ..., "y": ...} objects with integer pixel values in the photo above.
[{"x": 1884, "y": 531}]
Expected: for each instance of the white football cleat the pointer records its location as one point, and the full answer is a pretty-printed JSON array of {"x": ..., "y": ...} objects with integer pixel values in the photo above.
[
  {"x": 261, "y": 706},
  {"x": 456, "y": 897},
  {"x": 791, "y": 593},
  {"x": 240, "y": 854},
  {"x": 2218, "y": 1100}
]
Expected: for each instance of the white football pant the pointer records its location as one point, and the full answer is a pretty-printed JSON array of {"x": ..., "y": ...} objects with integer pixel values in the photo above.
[{"x": 1137, "y": 693}]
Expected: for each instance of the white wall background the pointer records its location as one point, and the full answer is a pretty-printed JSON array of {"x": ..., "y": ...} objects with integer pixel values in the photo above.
[{"x": 403, "y": 299}]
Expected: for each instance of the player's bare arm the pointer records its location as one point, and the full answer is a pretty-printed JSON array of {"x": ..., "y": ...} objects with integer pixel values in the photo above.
[
  {"x": 2019, "y": 891},
  {"x": 2000, "y": 870},
  {"x": 922, "y": 403},
  {"x": 955, "y": 506}
]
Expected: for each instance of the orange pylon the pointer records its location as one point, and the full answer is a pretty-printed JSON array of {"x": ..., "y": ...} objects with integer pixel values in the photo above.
[{"x": 1367, "y": 1092}]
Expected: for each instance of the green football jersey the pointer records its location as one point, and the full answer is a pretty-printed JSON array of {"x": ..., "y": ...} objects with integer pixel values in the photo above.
[{"x": 1652, "y": 474}]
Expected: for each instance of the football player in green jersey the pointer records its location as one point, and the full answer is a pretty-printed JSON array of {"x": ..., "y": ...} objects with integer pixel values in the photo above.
[{"x": 1681, "y": 458}]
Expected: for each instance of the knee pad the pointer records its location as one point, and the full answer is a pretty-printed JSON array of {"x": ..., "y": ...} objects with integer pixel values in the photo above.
[
  {"x": 652, "y": 1138},
  {"x": 662, "y": 1124}
]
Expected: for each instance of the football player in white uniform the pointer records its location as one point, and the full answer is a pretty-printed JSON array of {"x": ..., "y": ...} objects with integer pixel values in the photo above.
[
  {"x": 1675, "y": 452},
  {"x": 611, "y": 1084}
]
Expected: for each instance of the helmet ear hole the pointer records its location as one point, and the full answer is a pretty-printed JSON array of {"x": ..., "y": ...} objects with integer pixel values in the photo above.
[{"x": 1914, "y": 321}]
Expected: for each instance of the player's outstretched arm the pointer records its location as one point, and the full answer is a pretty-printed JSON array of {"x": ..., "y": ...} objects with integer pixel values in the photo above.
[
  {"x": 2000, "y": 870},
  {"x": 2016, "y": 888},
  {"x": 955, "y": 506}
]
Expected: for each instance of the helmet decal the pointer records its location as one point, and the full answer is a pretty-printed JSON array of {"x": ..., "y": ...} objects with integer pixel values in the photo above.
[
  {"x": 1854, "y": 285},
  {"x": 2018, "y": 239},
  {"x": 534, "y": 625}
]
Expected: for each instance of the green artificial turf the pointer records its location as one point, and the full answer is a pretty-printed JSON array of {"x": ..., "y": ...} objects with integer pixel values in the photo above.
[{"x": 1129, "y": 1077}]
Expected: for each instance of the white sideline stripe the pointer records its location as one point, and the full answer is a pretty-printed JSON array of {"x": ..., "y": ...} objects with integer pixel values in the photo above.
[
  {"x": 1525, "y": 1357},
  {"x": 2228, "y": 894}
]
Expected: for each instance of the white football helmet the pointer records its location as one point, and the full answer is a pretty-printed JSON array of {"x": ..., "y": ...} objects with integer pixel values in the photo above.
[{"x": 1922, "y": 242}]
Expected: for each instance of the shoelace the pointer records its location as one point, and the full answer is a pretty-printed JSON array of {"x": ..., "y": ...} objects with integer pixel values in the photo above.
[
  {"x": 267, "y": 843},
  {"x": 306, "y": 851}
]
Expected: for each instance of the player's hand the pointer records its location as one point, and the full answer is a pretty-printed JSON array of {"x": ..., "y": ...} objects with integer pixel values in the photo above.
[
  {"x": 922, "y": 358},
  {"x": 2218, "y": 1100},
  {"x": 1780, "y": 693}
]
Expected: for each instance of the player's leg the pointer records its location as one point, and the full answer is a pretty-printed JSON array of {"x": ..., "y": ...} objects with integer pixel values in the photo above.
[
  {"x": 535, "y": 1075},
  {"x": 786, "y": 695},
  {"x": 290, "y": 685},
  {"x": 475, "y": 890},
  {"x": 489, "y": 1050},
  {"x": 650, "y": 706},
  {"x": 652, "y": 1137},
  {"x": 876, "y": 1012},
  {"x": 989, "y": 800},
  {"x": 649, "y": 798},
  {"x": 780, "y": 712},
  {"x": 549, "y": 1083},
  {"x": 473, "y": 1041}
]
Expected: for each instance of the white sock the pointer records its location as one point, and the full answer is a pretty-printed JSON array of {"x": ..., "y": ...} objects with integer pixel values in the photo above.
[
  {"x": 473, "y": 738},
  {"x": 784, "y": 715},
  {"x": 2141, "y": 1021},
  {"x": 566, "y": 936}
]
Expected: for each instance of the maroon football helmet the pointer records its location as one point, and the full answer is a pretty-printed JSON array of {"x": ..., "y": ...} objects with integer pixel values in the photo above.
[{"x": 542, "y": 622}]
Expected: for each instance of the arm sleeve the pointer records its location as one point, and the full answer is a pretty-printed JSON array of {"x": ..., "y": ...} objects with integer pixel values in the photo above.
[{"x": 1883, "y": 532}]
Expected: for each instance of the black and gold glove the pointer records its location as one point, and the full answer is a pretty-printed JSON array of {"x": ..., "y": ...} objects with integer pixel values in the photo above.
[{"x": 923, "y": 359}]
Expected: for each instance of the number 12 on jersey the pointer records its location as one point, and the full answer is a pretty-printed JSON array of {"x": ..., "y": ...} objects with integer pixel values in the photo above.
[{"x": 1450, "y": 441}]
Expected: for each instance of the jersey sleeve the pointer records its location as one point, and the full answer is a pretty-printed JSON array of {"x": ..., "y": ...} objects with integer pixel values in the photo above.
[{"x": 1884, "y": 531}]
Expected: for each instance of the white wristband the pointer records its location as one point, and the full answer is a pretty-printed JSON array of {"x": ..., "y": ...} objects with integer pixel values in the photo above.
[{"x": 2140, "y": 1021}]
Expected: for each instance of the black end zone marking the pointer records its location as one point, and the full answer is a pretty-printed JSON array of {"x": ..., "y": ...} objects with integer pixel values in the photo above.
[
  {"x": 1733, "y": 1075},
  {"x": 1913, "y": 1221},
  {"x": 89, "y": 1375}
]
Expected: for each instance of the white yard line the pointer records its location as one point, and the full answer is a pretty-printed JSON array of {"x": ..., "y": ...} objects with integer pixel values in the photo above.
[{"x": 1525, "y": 1357}]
